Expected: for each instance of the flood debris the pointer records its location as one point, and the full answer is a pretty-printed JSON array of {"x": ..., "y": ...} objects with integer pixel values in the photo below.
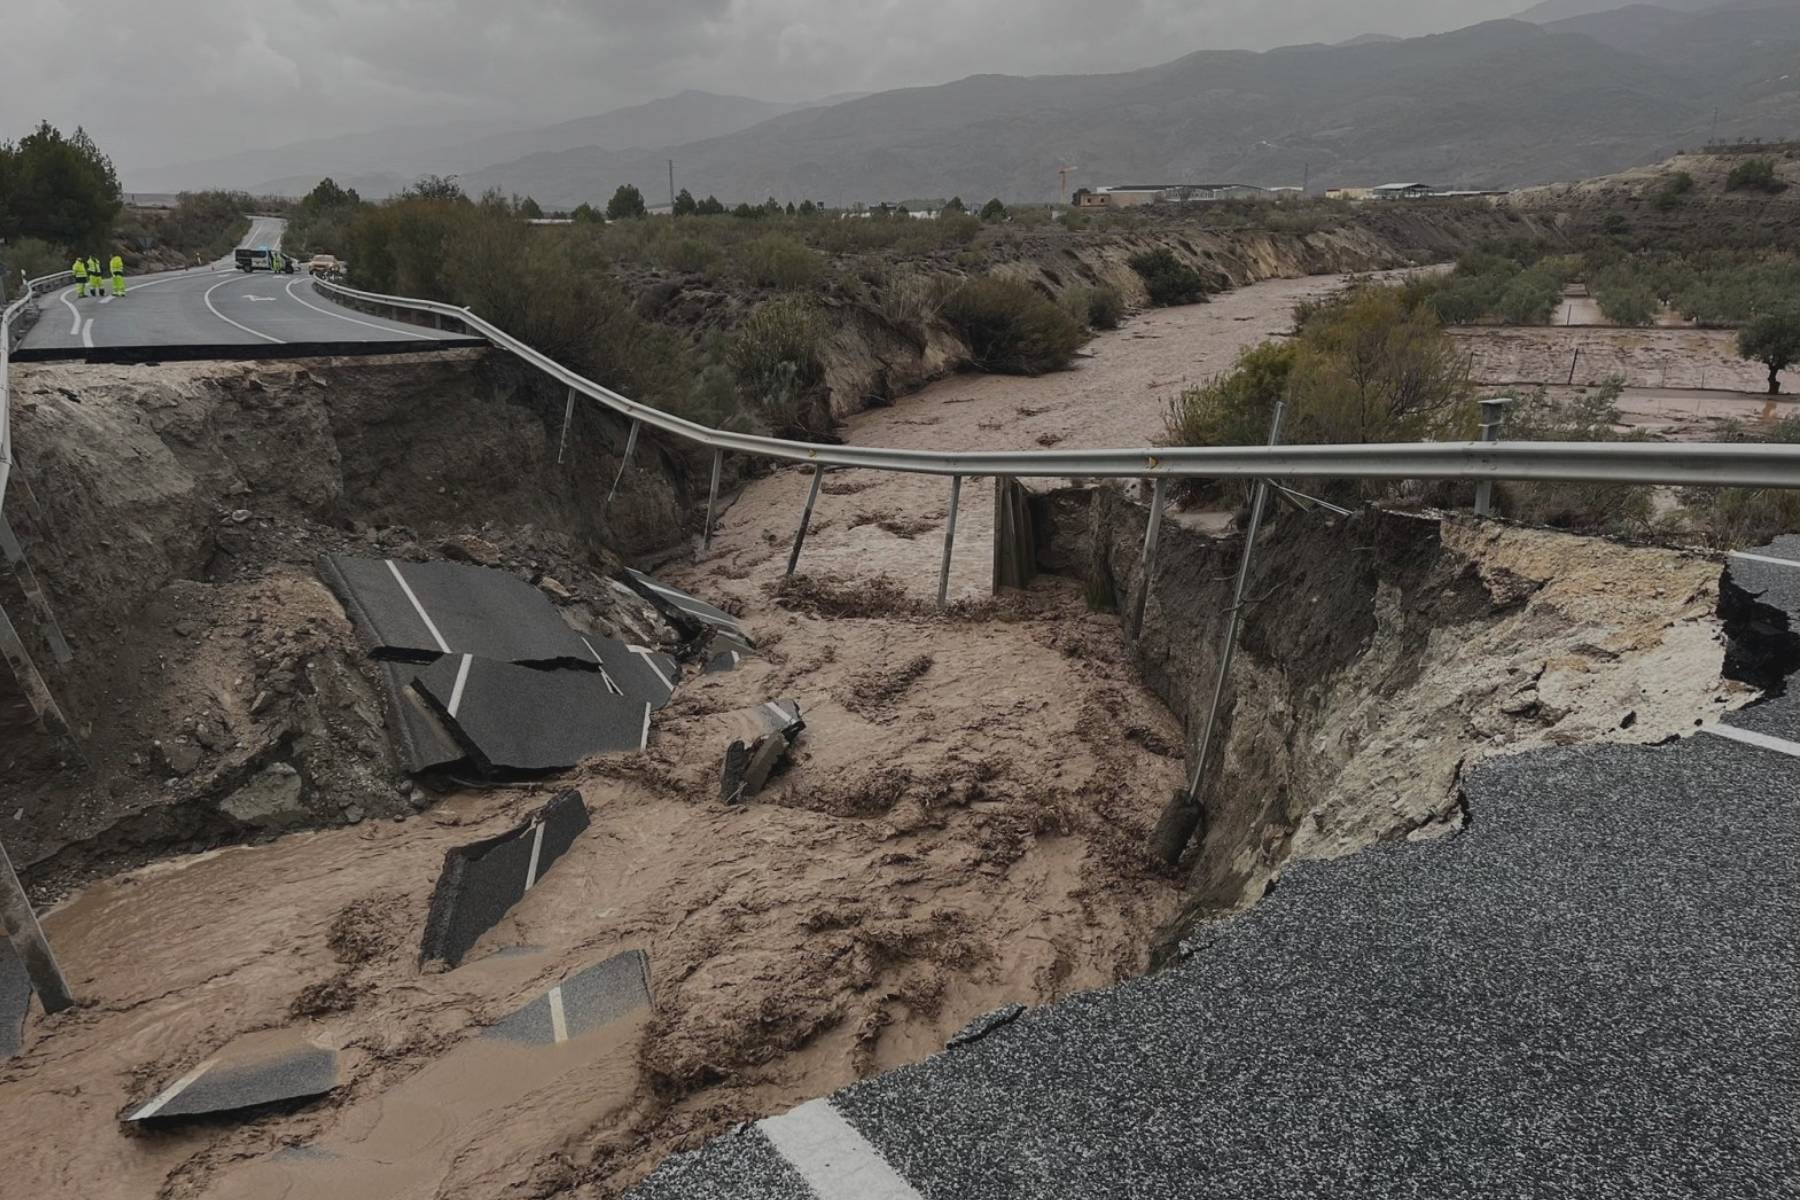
[
  {"x": 694, "y": 617},
  {"x": 481, "y": 882},
  {"x": 752, "y": 757},
  {"x": 582, "y": 1003},
  {"x": 635, "y": 671},
  {"x": 249, "y": 1073},
  {"x": 985, "y": 1024}
]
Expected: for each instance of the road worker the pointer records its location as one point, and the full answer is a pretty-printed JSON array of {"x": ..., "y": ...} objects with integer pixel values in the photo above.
[
  {"x": 117, "y": 269},
  {"x": 80, "y": 270},
  {"x": 94, "y": 276}
]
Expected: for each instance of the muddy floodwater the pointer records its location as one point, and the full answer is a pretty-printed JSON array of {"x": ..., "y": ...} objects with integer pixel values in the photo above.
[{"x": 965, "y": 824}]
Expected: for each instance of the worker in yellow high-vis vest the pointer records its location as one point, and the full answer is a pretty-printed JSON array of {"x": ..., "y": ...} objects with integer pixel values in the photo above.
[
  {"x": 95, "y": 279},
  {"x": 80, "y": 272},
  {"x": 117, "y": 267}
]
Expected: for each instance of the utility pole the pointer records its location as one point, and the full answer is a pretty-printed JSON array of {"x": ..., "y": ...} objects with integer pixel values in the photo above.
[
  {"x": 28, "y": 940},
  {"x": 671, "y": 188}
]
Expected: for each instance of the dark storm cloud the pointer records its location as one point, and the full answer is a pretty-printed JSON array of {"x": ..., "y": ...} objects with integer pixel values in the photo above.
[{"x": 182, "y": 79}]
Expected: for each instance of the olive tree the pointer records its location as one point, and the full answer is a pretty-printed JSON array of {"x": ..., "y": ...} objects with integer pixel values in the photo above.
[{"x": 1772, "y": 339}]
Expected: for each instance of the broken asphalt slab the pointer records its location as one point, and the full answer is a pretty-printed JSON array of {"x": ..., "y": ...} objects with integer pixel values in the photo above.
[
  {"x": 724, "y": 652},
  {"x": 691, "y": 615},
  {"x": 1759, "y": 599},
  {"x": 1589, "y": 991},
  {"x": 15, "y": 999},
  {"x": 636, "y": 672},
  {"x": 595, "y": 998},
  {"x": 481, "y": 882},
  {"x": 419, "y": 736},
  {"x": 513, "y": 718},
  {"x": 419, "y": 611},
  {"x": 258, "y": 1069}
]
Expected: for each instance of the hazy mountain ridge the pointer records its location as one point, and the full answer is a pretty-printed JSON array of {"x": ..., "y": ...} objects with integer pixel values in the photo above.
[{"x": 1499, "y": 104}]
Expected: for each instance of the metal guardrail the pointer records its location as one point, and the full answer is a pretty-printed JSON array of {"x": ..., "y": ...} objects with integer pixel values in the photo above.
[
  {"x": 1678, "y": 464},
  {"x": 33, "y": 288}
]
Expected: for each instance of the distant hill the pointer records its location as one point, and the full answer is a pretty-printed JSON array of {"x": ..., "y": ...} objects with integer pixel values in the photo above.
[
  {"x": 384, "y": 161},
  {"x": 1500, "y": 104},
  {"x": 1562, "y": 10}
]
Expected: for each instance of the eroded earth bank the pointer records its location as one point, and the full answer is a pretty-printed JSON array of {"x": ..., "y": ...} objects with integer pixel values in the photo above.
[{"x": 964, "y": 824}]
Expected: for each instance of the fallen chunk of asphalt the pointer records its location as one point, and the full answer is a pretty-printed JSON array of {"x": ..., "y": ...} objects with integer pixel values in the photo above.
[
  {"x": 255, "y": 1070},
  {"x": 985, "y": 1024},
  {"x": 597, "y": 997},
  {"x": 724, "y": 652},
  {"x": 419, "y": 611},
  {"x": 512, "y": 718},
  {"x": 636, "y": 672},
  {"x": 15, "y": 999},
  {"x": 419, "y": 736},
  {"x": 691, "y": 615},
  {"x": 752, "y": 757},
  {"x": 483, "y": 880}
]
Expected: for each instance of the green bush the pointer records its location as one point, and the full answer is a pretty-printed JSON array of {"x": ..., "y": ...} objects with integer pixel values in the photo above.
[
  {"x": 1592, "y": 417},
  {"x": 1169, "y": 280},
  {"x": 1233, "y": 409},
  {"x": 1012, "y": 328},
  {"x": 1755, "y": 175},
  {"x": 1099, "y": 307},
  {"x": 626, "y": 204},
  {"x": 993, "y": 210},
  {"x": 775, "y": 356},
  {"x": 777, "y": 261},
  {"x": 1735, "y": 518}
]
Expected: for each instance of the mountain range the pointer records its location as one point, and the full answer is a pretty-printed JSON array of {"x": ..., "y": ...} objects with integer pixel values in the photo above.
[{"x": 1579, "y": 89}]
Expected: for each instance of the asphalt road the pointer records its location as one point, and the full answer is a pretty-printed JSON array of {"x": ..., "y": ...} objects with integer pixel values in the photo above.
[
  {"x": 215, "y": 305},
  {"x": 1590, "y": 991}
]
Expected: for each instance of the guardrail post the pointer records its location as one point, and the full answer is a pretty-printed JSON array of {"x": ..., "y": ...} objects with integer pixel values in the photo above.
[
  {"x": 1493, "y": 415},
  {"x": 31, "y": 682},
  {"x": 712, "y": 498},
  {"x": 568, "y": 417},
  {"x": 949, "y": 541},
  {"x": 1182, "y": 817},
  {"x": 34, "y": 593},
  {"x": 630, "y": 445},
  {"x": 28, "y": 940},
  {"x": 1159, "y": 496},
  {"x": 812, "y": 498}
]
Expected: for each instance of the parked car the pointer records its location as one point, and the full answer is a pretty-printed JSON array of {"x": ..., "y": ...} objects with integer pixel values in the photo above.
[{"x": 325, "y": 265}]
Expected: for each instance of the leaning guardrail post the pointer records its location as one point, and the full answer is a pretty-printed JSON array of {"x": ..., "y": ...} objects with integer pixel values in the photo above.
[
  {"x": 568, "y": 419},
  {"x": 37, "y": 692},
  {"x": 1152, "y": 538},
  {"x": 712, "y": 499},
  {"x": 1182, "y": 816},
  {"x": 34, "y": 593},
  {"x": 812, "y": 498},
  {"x": 1493, "y": 415},
  {"x": 630, "y": 445},
  {"x": 949, "y": 541},
  {"x": 28, "y": 940}
]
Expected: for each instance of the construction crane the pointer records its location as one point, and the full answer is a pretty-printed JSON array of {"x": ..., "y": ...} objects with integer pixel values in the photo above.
[{"x": 1063, "y": 173}]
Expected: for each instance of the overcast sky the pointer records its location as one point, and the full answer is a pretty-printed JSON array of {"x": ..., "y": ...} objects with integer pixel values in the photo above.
[{"x": 168, "y": 81}]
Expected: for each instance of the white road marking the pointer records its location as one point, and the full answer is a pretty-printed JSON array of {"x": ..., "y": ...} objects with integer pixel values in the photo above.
[
  {"x": 612, "y": 687},
  {"x": 1751, "y": 738},
  {"x": 418, "y": 608},
  {"x": 644, "y": 737},
  {"x": 353, "y": 320},
  {"x": 173, "y": 1090},
  {"x": 259, "y": 299},
  {"x": 87, "y": 333},
  {"x": 211, "y": 307},
  {"x": 650, "y": 661},
  {"x": 456, "y": 693},
  {"x": 1764, "y": 558},
  {"x": 836, "y": 1161},
  {"x": 537, "y": 849},
  {"x": 68, "y": 299},
  {"x": 559, "y": 1023}
]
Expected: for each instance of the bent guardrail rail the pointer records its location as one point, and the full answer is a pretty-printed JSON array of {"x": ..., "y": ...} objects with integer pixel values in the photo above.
[
  {"x": 33, "y": 289},
  {"x": 1676, "y": 464}
]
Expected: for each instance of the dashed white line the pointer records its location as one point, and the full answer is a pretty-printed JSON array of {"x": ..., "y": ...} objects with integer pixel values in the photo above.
[
  {"x": 68, "y": 300},
  {"x": 537, "y": 850},
  {"x": 87, "y": 333},
  {"x": 650, "y": 661},
  {"x": 1764, "y": 558},
  {"x": 644, "y": 737},
  {"x": 424, "y": 616},
  {"x": 559, "y": 1022},
  {"x": 1751, "y": 738},
  {"x": 173, "y": 1090},
  {"x": 354, "y": 321},
  {"x": 836, "y": 1161},
  {"x": 456, "y": 692},
  {"x": 211, "y": 307}
]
